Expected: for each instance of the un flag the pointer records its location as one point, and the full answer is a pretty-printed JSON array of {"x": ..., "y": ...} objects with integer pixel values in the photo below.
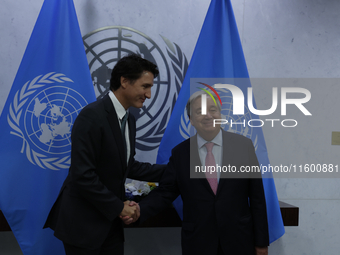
[{"x": 52, "y": 85}]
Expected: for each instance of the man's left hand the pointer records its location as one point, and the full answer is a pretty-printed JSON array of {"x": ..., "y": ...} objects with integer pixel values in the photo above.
[{"x": 261, "y": 250}]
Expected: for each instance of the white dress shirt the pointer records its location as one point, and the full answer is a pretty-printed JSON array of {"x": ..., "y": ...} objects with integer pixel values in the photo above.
[{"x": 120, "y": 110}]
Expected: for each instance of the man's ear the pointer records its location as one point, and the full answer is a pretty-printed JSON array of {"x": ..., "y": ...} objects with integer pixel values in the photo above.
[{"x": 124, "y": 82}]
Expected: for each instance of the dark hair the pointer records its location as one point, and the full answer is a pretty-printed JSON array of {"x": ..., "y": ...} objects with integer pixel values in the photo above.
[{"x": 132, "y": 68}]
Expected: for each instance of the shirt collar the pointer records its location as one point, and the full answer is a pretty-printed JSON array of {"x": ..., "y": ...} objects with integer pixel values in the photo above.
[
  {"x": 217, "y": 140},
  {"x": 120, "y": 110}
]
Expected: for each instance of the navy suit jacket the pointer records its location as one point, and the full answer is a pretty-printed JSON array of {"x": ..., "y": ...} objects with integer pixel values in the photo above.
[
  {"x": 235, "y": 217},
  {"x": 92, "y": 195}
]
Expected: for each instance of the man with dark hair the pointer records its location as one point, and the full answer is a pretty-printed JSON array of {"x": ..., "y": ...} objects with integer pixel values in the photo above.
[
  {"x": 86, "y": 214},
  {"x": 131, "y": 68},
  {"x": 223, "y": 212}
]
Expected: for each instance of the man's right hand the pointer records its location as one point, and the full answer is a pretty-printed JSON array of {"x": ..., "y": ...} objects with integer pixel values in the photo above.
[{"x": 130, "y": 211}]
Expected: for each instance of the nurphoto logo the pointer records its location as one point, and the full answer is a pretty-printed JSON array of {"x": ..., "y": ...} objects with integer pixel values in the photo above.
[{"x": 239, "y": 104}]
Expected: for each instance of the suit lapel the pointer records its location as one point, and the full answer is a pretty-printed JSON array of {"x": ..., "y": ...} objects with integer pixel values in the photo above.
[
  {"x": 226, "y": 159},
  {"x": 115, "y": 127},
  {"x": 132, "y": 132}
]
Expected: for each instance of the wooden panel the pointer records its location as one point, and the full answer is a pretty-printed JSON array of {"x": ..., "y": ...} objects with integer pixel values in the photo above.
[
  {"x": 290, "y": 214},
  {"x": 3, "y": 223},
  {"x": 170, "y": 218}
]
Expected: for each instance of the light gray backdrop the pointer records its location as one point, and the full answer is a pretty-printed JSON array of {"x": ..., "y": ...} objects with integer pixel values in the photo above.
[{"x": 281, "y": 39}]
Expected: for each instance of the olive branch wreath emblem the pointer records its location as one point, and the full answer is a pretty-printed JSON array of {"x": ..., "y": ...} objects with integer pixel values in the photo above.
[
  {"x": 15, "y": 113},
  {"x": 179, "y": 64}
]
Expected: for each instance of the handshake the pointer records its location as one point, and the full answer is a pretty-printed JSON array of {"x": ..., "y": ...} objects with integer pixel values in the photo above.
[{"x": 130, "y": 212}]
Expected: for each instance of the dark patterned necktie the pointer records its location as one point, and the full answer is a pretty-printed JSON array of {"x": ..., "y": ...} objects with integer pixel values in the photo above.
[{"x": 122, "y": 128}]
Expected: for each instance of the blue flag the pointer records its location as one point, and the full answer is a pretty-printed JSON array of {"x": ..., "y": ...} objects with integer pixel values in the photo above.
[
  {"x": 218, "y": 54},
  {"x": 52, "y": 85}
]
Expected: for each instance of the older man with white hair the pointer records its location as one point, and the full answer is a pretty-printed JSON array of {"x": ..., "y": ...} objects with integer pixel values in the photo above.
[{"x": 224, "y": 212}]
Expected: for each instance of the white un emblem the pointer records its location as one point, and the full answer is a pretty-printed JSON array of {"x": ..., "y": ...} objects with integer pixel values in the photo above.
[
  {"x": 49, "y": 111},
  {"x": 49, "y": 118}
]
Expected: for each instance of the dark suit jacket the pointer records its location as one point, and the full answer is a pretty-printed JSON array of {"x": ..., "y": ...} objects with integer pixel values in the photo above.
[
  {"x": 90, "y": 199},
  {"x": 236, "y": 216}
]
